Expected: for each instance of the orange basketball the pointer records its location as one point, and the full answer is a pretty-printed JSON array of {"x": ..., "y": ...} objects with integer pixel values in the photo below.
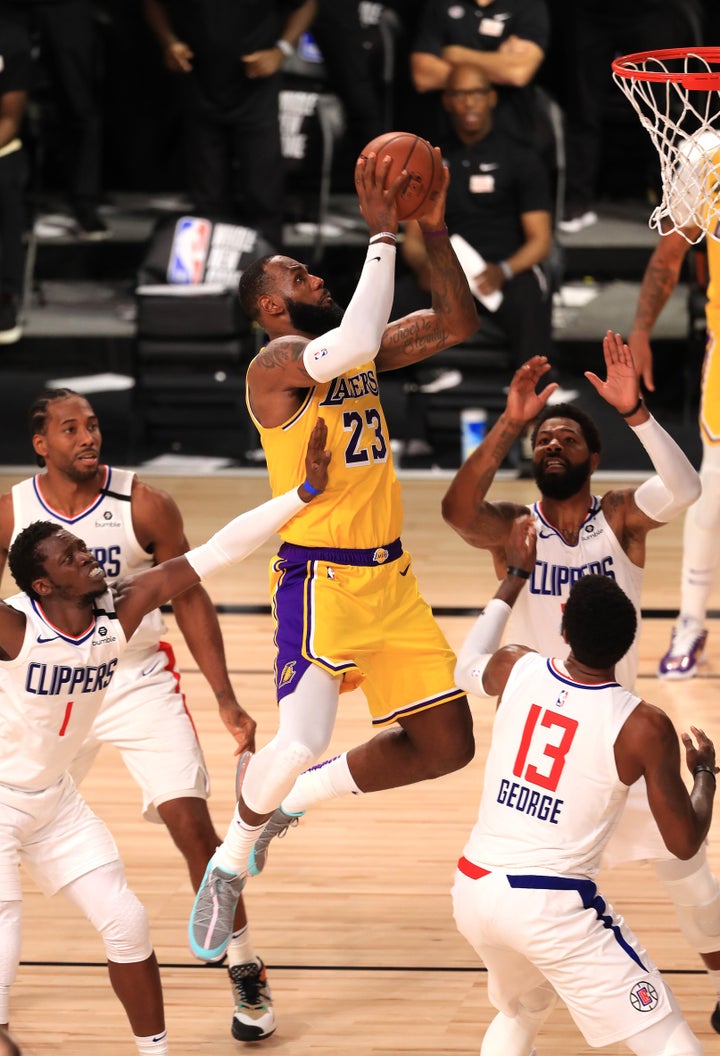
[{"x": 424, "y": 171}]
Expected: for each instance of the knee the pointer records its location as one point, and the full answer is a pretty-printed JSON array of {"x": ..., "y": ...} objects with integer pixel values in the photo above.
[{"x": 126, "y": 932}]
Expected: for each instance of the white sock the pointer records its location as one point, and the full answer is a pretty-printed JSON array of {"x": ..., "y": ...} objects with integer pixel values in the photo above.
[
  {"x": 240, "y": 948},
  {"x": 701, "y": 541},
  {"x": 153, "y": 1045},
  {"x": 233, "y": 853},
  {"x": 327, "y": 780}
]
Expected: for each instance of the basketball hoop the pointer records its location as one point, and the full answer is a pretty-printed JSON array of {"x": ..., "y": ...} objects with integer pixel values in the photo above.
[{"x": 676, "y": 95}]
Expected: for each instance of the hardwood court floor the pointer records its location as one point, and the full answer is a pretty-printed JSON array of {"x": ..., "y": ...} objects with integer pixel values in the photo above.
[{"x": 353, "y": 915}]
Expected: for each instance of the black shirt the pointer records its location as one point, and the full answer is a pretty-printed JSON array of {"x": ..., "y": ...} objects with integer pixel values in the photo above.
[
  {"x": 492, "y": 183},
  {"x": 465, "y": 23}
]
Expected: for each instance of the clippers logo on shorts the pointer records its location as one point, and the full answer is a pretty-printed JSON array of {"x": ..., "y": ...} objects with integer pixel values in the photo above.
[
  {"x": 189, "y": 250},
  {"x": 644, "y": 997}
]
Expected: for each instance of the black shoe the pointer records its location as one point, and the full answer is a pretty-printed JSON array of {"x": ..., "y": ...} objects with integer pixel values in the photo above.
[
  {"x": 10, "y": 329},
  {"x": 715, "y": 1018},
  {"x": 90, "y": 225}
]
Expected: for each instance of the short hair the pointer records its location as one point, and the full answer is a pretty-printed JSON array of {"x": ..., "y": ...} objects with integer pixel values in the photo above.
[
  {"x": 254, "y": 282},
  {"x": 599, "y": 620},
  {"x": 588, "y": 428},
  {"x": 23, "y": 557},
  {"x": 38, "y": 413}
]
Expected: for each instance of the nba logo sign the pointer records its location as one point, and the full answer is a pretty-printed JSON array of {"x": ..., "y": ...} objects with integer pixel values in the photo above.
[
  {"x": 644, "y": 997},
  {"x": 189, "y": 250}
]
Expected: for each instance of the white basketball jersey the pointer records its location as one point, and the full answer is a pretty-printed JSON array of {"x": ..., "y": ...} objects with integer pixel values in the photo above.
[
  {"x": 106, "y": 528},
  {"x": 51, "y": 693},
  {"x": 551, "y": 792},
  {"x": 537, "y": 614}
]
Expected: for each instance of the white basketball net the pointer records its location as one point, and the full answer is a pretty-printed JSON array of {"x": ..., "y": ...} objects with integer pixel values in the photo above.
[{"x": 684, "y": 124}]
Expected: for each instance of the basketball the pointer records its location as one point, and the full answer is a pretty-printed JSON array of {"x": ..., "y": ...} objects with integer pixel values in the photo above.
[
  {"x": 692, "y": 190},
  {"x": 425, "y": 175}
]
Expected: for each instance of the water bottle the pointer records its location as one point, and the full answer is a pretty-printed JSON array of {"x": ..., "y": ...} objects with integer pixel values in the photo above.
[{"x": 473, "y": 423}]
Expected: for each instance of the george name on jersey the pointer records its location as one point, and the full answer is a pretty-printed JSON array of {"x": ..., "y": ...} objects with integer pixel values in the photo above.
[{"x": 529, "y": 801}]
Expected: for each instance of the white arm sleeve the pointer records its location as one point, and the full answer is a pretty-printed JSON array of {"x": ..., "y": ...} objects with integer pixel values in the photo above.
[
  {"x": 358, "y": 337},
  {"x": 479, "y": 646},
  {"x": 244, "y": 534},
  {"x": 676, "y": 484}
]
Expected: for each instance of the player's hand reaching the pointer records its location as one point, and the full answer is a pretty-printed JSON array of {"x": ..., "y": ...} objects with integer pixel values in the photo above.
[
  {"x": 521, "y": 545},
  {"x": 317, "y": 461},
  {"x": 376, "y": 193},
  {"x": 523, "y": 402},
  {"x": 621, "y": 389},
  {"x": 703, "y": 755},
  {"x": 433, "y": 217}
]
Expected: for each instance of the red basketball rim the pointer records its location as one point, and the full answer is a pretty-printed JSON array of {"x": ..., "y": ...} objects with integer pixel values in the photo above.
[{"x": 632, "y": 67}]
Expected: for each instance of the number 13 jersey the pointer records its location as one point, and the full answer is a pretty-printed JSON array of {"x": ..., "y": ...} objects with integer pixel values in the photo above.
[{"x": 551, "y": 794}]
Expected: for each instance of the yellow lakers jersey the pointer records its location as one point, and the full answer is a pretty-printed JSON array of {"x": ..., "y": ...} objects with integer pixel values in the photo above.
[{"x": 361, "y": 506}]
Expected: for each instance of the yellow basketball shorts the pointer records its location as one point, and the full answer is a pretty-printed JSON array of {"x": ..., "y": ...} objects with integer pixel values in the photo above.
[{"x": 359, "y": 614}]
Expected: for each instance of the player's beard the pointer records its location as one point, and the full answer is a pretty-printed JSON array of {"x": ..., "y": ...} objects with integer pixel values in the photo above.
[
  {"x": 561, "y": 485},
  {"x": 314, "y": 319}
]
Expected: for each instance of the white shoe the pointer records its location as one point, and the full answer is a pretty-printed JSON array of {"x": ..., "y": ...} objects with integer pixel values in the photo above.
[
  {"x": 562, "y": 395},
  {"x": 445, "y": 379},
  {"x": 573, "y": 224}
]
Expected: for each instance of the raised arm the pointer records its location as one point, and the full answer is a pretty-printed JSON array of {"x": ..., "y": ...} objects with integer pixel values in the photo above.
[
  {"x": 147, "y": 590},
  {"x": 660, "y": 279},
  {"x": 464, "y": 507},
  {"x": 452, "y": 317},
  {"x": 675, "y": 484},
  {"x": 647, "y": 746}
]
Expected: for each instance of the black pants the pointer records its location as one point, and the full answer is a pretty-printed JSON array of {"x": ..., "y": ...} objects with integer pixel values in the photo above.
[
  {"x": 12, "y": 184},
  {"x": 69, "y": 46},
  {"x": 234, "y": 162}
]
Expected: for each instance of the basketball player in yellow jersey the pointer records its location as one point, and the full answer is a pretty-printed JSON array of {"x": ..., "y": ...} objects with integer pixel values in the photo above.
[
  {"x": 346, "y": 603},
  {"x": 701, "y": 541}
]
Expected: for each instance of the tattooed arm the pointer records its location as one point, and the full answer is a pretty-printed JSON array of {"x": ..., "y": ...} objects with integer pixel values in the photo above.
[
  {"x": 487, "y": 524},
  {"x": 452, "y": 317},
  {"x": 659, "y": 281}
]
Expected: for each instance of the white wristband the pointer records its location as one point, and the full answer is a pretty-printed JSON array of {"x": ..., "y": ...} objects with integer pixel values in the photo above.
[
  {"x": 285, "y": 47},
  {"x": 506, "y": 270},
  {"x": 244, "y": 534}
]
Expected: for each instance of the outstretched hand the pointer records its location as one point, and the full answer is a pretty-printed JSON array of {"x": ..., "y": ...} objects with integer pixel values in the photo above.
[
  {"x": 433, "y": 216},
  {"x": 703, "y": 755},
  {"x": 376, "y": 193},
  {"x": 621, "y": 388},
  {"x": 317, "y": 458},
  {"x": 523, "y": 402}
]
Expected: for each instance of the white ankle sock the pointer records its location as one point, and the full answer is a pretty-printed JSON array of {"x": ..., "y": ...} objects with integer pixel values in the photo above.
[
  {"x": 327, "y": 780},
  {"x": 240, "y": 948},
  {"x": 153, "y": 1045},
  {"x": 233, "y": 853}
]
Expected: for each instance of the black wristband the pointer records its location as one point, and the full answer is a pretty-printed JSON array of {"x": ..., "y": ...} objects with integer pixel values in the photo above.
[
  {"x": 702, "y": 769},
  {"x": 636, "y": 408},
  {"x": 513, "y": 570}
]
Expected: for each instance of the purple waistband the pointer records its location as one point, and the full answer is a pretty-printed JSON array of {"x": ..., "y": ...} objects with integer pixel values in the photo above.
[{"x": 380, "y": 555}]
